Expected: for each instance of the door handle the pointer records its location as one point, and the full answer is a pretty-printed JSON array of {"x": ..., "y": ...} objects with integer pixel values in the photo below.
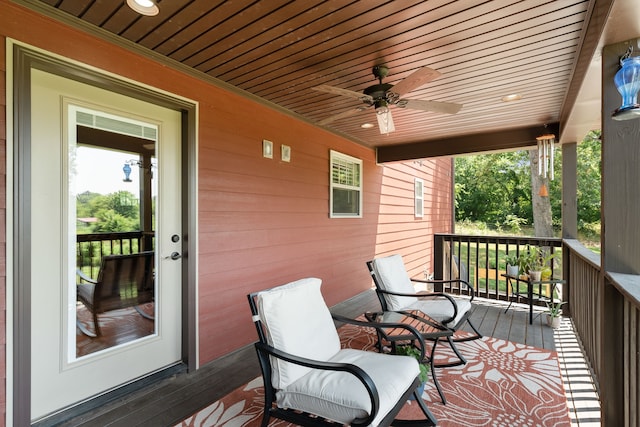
[{"x": 174, "y": 256}]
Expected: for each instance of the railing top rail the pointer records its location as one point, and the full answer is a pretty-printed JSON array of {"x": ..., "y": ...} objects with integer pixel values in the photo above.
[
  {"x": 627, "y": 284},
  {"x": 109, "y": 236},
  {"x": 579, "y": 250},
  {"x": 520, "y": 240}
]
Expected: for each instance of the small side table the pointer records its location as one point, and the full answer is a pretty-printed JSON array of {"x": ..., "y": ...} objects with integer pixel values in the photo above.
[
  {"x": 429, "y": 328},
  {"x": 531, "y": 296}
]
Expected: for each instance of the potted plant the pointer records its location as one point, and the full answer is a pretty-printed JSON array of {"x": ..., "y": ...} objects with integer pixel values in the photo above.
[
  {"x": 527, "y": 261},
  {"x": 553, "y": 315},
  {"x": 512, "y": 262},
  {"x": 413, "y": 351}
]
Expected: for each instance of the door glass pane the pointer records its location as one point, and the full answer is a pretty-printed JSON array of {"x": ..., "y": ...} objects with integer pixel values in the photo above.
[{"x": 112, "y": 198}]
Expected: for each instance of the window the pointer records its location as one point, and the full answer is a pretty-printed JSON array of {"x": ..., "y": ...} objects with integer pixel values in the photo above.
[
  {"x": 419, "y": 198},
  {"x": 345, "y": 184}
]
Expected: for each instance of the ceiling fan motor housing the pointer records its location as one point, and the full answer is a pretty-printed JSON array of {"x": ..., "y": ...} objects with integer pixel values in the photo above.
[{"x": 378, "y": 92}]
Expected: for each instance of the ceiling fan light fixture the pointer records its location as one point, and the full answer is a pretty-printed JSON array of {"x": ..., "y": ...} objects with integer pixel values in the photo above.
[
  {"x": 385, "y": 122},
  {"x": 382, "y": 107},
  {"x": 144, "y": 7}
]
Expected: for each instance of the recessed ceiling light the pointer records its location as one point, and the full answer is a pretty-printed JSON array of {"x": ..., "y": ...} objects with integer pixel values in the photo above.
[
  {"x": 512, "y": 97},
  {"x": 367, "y": 126},
  {"x": 144, "y": 7}
]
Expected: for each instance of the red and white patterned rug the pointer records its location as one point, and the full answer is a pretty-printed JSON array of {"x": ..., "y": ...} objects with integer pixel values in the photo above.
[{"x": 502, "y": 384}]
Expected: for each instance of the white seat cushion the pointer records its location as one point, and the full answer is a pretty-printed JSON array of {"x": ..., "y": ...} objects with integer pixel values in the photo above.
[
  {"x": 297, "y": 321},
  {"x": 441, "y": 309},
  {"x": 392, "y": 276},
  {"x": 341, "y": 397}
]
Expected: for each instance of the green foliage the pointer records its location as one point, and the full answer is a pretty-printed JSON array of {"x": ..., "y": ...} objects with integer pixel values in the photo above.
[
  {"x": 117, "y": 211},
  {"x": 410, "y": 350},
  {"x": 495, "y": 190},
  {"x": 555, "y": 308}
]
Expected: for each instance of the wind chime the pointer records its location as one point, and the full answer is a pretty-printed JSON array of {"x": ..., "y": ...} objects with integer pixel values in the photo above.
[{"x": 545, "y": 160}]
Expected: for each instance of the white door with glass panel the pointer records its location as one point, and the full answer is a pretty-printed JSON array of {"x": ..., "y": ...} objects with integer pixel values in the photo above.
[{"x": 104, "y": 167}]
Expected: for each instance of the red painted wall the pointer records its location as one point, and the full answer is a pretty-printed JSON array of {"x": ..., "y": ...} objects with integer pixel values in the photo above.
[{"x": 262, "y": 222}]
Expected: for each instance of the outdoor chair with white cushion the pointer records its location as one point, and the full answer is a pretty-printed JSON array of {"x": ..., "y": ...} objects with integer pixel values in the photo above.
[
  {"x": 310, "y": 380},
  {"x": 396, "y": 292}
]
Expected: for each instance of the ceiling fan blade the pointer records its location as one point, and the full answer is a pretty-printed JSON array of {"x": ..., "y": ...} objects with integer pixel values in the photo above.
[
  {"x": 416, "y": 79},
  {"x": 341, "y": 115},
  {"x": 344, "y": 92},
  {"x": 435, "y": 106}
]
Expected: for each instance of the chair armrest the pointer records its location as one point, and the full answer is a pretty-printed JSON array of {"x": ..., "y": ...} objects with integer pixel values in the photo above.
[
  {"x": 265, "y": 350},
  {"x": 429, "y": 295},
  {"x": 437, "y": 282},
  {"x": 380, "y": 326},
  {"x": 86, "y": 278}
]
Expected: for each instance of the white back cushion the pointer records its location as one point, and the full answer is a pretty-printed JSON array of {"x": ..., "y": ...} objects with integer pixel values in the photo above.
[
  {"x": 297, "y": 321},
  {"x": 392, "y": 276}
]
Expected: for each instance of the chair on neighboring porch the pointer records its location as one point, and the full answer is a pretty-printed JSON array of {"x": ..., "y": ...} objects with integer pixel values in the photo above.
[
  {"x": 310, "y": 380},
  {"x": 396, "y": 292},
  {"x": 123, "y": 281}
]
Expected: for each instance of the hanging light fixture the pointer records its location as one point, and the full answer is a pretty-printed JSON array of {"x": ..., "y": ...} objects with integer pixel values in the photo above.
[
  {"x": 144, "y": 7},
  {"x": 627, "y": 81},
  {"x": 546, "y": 155}
]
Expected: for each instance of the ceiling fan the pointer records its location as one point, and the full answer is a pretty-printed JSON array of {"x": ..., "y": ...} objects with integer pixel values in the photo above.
[{"x": 382, "y": 95}]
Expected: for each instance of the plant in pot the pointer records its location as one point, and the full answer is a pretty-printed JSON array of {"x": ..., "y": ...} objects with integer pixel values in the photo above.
[
  {"x": 553, "y": 315},
  {"x": 512, "y": 265},
  {"x": 546, "y": 265},
  {"x": 533, "y": 262},
  {"x": 413, "y": 351}
]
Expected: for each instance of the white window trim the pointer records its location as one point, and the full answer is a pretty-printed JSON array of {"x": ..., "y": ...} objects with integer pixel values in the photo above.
[
  {"x": 335, "y": 155},
  {"x": 418, "y": 188}
]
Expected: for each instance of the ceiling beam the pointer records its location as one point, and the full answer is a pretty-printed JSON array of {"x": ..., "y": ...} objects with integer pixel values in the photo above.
[
  {"x": 509, "y": 139},
  {"x": 592, "y": 32}
]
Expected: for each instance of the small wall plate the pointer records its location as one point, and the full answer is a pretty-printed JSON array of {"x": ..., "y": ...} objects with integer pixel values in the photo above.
[
  {"x": 285, "y": 152},
  {"x": 267, "y": 149}
]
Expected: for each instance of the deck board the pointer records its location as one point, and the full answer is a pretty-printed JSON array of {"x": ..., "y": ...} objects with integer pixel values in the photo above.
[{"x": 174, "y": 399}]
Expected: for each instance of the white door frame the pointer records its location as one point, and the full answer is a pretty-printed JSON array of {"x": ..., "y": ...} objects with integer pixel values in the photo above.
[{"x": 20, "y": 60}]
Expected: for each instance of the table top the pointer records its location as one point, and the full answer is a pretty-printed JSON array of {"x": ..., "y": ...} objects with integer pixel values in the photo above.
[
  {"x": 425, "y": 325},
  {"x": 535, "y": 282}
]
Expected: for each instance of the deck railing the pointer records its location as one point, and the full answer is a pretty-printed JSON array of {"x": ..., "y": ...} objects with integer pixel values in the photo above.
[
  {"x": 604, "y": 308},
  {"x": 619, "y": 369},
  {"x": 582, "y": 271},
  {"x": 480, "y": 260},
  {"x": 90, "y": 248}
]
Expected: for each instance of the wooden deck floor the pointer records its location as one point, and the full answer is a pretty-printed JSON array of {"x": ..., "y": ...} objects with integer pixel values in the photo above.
[{"x": 173, "y": 399}]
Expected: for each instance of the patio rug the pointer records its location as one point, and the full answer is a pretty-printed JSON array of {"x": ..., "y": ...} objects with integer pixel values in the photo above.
[{"x": 502, "y": 384}]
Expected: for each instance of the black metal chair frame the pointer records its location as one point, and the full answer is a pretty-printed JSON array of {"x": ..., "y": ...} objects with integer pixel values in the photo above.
[
  {"x": 380, "y": 292},
  {"x": 107, "y": 295},
  {"x": 265, "y": 352}
]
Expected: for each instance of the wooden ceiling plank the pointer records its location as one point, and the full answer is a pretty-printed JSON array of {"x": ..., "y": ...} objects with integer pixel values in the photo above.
[
  {"x": 164, "y": 23},
  {"x": 265, "y": 30},
  {"x": 205, "y": 24},
  {"x": 177, "y": 23},
  {"x": 112, "y": 16},
  {"x": 357, "y": 42},
  {"x": 233, "y": 27},
  {"x": 404, "y": 40},
  {"x": 272, "y": 83},
  {"x": 312, "y": 33},
  {"x": 73, "y": 7}
]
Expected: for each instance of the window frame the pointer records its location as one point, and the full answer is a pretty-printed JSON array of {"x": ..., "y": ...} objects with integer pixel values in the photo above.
[
  {"x": 418, "y": 197},
  {"x": 352, "y": 162}
]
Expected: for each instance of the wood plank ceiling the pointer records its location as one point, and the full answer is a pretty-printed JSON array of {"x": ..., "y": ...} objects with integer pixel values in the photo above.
[{"x": 279, "y": 50}]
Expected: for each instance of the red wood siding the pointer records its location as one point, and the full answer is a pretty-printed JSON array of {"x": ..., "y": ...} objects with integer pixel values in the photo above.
[{"x": 263, "y": 222}]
